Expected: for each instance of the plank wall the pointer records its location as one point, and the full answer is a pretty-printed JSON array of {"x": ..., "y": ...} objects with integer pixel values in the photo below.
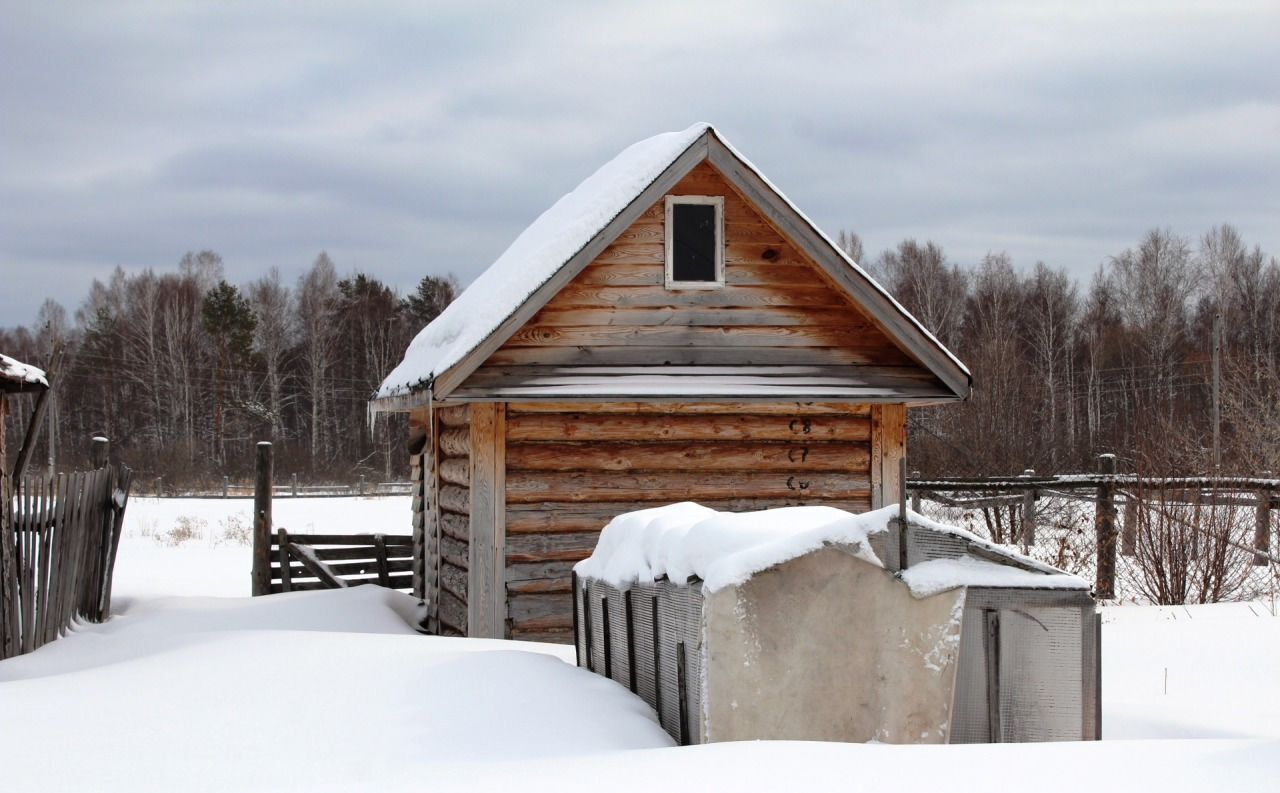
[
  {"x": 777, "y": 326},
  {"x": 572, "y": 467}
]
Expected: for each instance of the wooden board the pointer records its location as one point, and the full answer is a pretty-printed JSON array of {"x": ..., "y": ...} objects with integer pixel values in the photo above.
[{"x": 486, "y": 600}]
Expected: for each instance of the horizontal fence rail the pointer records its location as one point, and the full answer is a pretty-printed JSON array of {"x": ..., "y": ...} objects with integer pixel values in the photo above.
[
  {"x": 1161, "y": 523},
  {"x": 58, "y": 544},
  {"x": 336, "y": 561}
]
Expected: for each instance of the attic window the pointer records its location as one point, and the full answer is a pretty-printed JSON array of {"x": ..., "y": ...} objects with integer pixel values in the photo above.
[{"x": 695, "y": 241}]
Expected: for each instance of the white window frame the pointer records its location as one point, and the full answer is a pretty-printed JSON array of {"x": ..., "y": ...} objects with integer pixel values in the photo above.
[{"x": 718, "y": 203}]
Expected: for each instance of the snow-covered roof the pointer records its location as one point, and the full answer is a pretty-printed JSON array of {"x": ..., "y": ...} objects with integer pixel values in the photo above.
[
  {"x": 21, "y": 373},
  {"x": 549, "y": 244},
  {"x": 680, "y": 541}
]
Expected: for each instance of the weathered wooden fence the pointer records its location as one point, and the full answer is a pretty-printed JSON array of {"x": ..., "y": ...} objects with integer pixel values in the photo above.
[
  {"x": 1013, "y": 500},
  {"x": 287, "y": 562},
  {"x": 58, "y": 543},
  {"x": 336, "y": 561}
]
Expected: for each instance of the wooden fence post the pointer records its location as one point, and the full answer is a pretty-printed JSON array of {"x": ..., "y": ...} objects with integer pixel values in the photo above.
[
  {"x": 1129, "y": 532},
  {"x": 1105, "y": 523},
  {"x": 262, "y": 521},
  {"x": 293, "y": 484},
  {"x": 1028, "y": 513},
  {"x": 226, "y": 485},
  {"x": 98, "y": 452},
  {"x": 1262, "y": 528}
]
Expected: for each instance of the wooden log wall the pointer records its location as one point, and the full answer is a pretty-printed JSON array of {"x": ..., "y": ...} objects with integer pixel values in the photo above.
[
  {"x": 571, "y": 468},
  {"x": 453, "y": 510}
]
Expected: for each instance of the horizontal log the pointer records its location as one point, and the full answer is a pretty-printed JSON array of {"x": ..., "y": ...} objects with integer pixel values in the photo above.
[
  {"x": 455, "y": 499},
  {"x": 454, "y": 552},
  {"x": 454, "y": 580},
  {"x": 534, "y": 487},
  {"x": 700, "y": 336},
  {"x": 649, "y": 355},
  {"x": 456, "y": 471},
  {"x": 791, "y": 456},
  {"x": 455, "y": 442},
  {"x": 549, "y": 636},
  {"x": 551, "y": 547},
  {"x": 654, "y": 296},
  {"x": 541, "y": 611},
  {"x": 564, "y": 516},
  {"x": 618, "y": 427},
  {"x": 667, "y": 408},
  {"x": 456, "y": 526},
  {"x": 454, "y": 415},
  {"x": 453, "y": 612},
  {"x": 540, "y": 586},
  {"x": 522, "y": 572}
]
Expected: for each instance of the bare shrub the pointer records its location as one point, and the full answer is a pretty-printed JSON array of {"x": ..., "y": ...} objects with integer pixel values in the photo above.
[
  {"x": 234, "y": 531},
  {"x": 184, "y": 529},
  {"x": 1186, "y": 552}
]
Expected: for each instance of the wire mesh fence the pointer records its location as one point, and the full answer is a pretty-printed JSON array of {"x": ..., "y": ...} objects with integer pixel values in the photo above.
[{"x": 1173, "y": 541}]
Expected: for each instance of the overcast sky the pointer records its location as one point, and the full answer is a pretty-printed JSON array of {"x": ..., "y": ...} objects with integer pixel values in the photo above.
[{"x": 417, "y": 138}]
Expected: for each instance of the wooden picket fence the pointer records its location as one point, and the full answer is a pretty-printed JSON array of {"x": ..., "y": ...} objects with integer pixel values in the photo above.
[{"x": 58, "y": 543}]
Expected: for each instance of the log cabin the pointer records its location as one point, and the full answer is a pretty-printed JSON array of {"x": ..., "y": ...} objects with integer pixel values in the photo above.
[{"x": 674, "y": 329}]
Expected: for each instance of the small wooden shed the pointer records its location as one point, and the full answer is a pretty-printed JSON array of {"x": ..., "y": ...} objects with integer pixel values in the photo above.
[{"x": 674, "y": 329}]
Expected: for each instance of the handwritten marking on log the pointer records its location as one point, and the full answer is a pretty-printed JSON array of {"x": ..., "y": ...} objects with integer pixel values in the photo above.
[
  {"x": 604, "y": 427},
  {"x": 526, "y": 487},
  {"x": 686, "y": 456}
]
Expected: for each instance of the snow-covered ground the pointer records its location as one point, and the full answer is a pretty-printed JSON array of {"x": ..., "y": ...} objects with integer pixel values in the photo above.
[{"x": 193, "y": 687}]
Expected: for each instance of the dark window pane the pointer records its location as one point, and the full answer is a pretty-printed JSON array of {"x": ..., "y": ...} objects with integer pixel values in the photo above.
[{"x": 693, "y": 242}]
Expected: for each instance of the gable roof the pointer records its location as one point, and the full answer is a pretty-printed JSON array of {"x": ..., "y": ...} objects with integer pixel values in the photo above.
[
  {"x": 556, "y": 246},
  {"x": 17, "y": 376}
]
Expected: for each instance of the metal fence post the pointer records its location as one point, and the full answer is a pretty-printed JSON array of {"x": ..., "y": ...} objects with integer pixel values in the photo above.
[
  {"x": 1105, "y": 523},
  {"x": 293, "y": 482}
]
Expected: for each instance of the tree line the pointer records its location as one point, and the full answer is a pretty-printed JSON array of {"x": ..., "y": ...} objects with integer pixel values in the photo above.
[
  {"x": 185, "y": 371},
  {"x": 1124, "y": 364}
]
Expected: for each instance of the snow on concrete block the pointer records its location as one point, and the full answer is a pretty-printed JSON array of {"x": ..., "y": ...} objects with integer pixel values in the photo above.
[{"x": 785, "y": 624}]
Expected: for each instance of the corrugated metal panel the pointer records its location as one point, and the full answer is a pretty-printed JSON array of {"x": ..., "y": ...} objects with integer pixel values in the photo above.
[
  {"x": 619, "y": 641},
  {"x": 643, "y": 599}
]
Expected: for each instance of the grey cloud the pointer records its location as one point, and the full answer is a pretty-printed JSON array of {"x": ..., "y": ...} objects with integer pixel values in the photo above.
[{"x": 407, "y": 138}]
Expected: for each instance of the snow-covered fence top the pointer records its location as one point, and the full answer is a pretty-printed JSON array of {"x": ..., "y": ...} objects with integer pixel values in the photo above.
[{"x": 683, "y": 541}]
